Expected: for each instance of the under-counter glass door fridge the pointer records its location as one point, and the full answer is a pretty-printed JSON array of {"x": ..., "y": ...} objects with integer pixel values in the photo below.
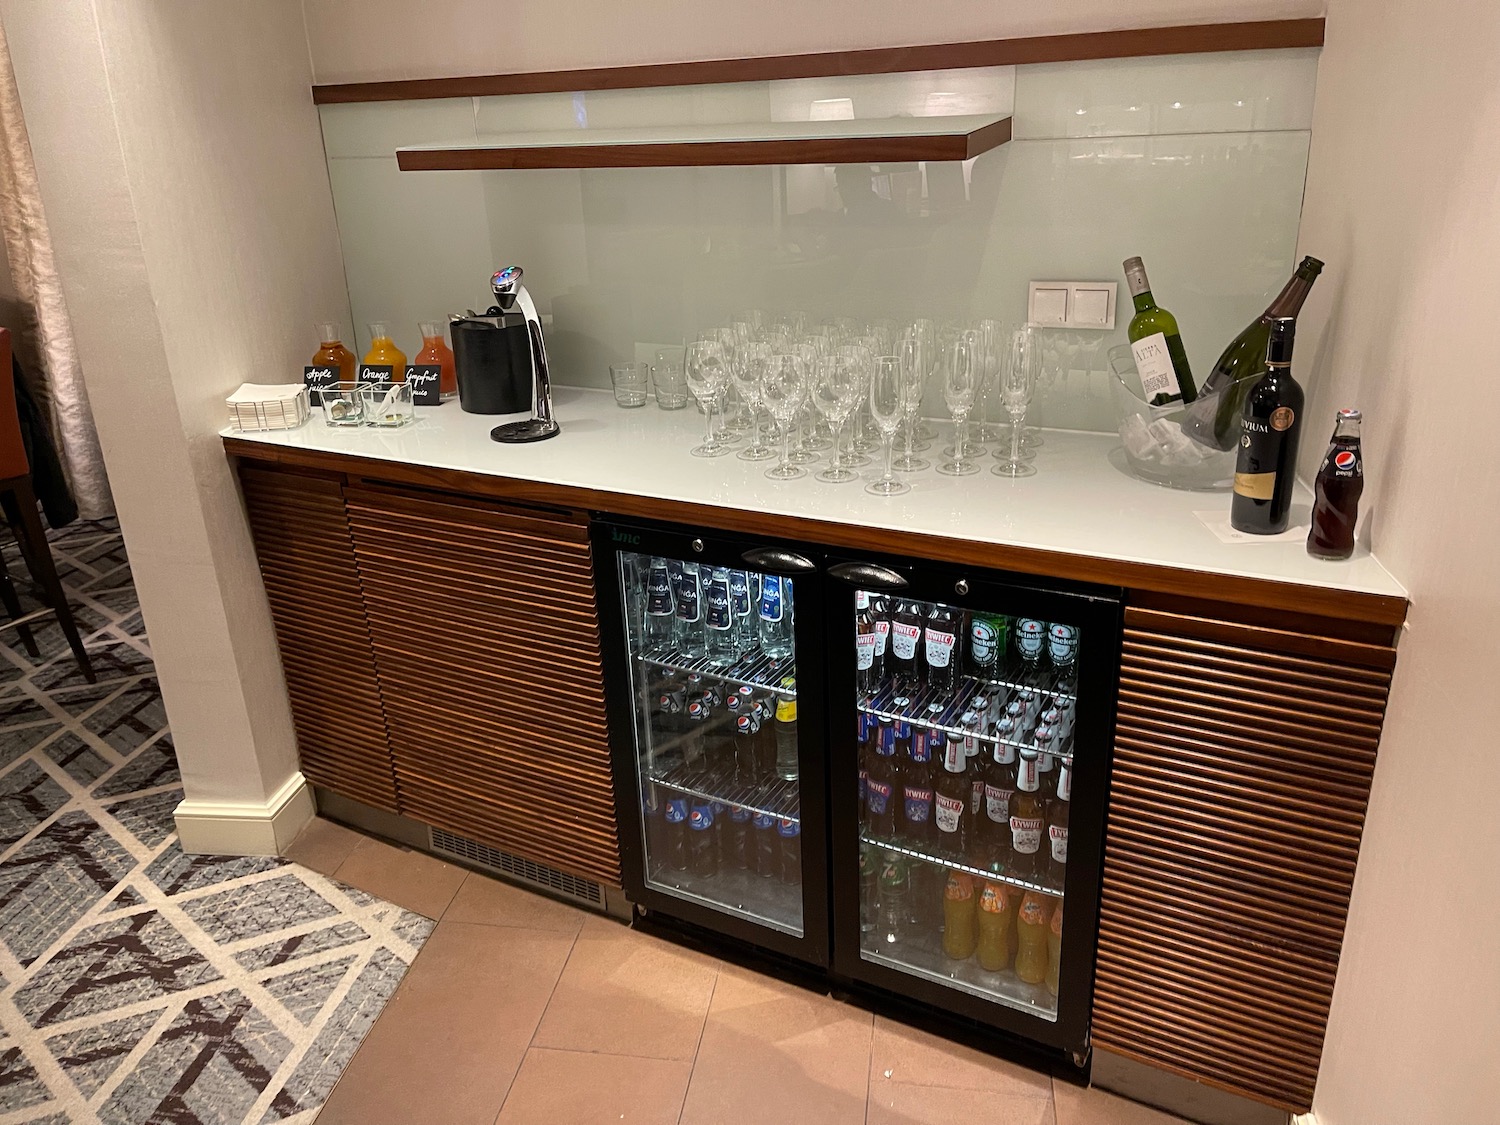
[
  {"x": 719, "y": 765},
  {"x": 971, "y": 719}
]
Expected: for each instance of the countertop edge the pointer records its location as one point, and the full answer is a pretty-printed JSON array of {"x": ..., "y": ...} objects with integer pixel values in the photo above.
[{"x": 1199, "y": 585}]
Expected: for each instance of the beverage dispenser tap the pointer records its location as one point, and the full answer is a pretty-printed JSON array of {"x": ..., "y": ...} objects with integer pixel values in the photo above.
[{"x": 509, "y": 292}]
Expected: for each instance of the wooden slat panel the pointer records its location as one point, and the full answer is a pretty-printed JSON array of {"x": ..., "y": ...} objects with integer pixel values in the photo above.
[
  {"x": 306, "y": 556},
  {"x": 1241, "y": 773},
  {"x": 486, "y": 639}
]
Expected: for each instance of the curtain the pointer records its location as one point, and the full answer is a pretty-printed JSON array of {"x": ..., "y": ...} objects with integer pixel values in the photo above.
[{"x": 45, "y": 342}]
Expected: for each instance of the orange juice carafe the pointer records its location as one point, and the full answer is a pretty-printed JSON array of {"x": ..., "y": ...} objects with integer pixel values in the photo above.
[
  {"x": 332, "y": 353},
  {"x": 1031, "y": 932},
  {"x": 1054, "y": 949},
  {"x": 959, "y": 924},
  {"x": 997, "y": 916},
  {"x": 436, "y": 353},
  {"x": 384, "y": 352}
]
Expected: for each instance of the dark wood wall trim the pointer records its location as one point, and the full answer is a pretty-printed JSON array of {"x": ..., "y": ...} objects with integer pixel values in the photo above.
[
  {"x": 1132, "y": 43},
  {"x": 1330, "y": 605}
]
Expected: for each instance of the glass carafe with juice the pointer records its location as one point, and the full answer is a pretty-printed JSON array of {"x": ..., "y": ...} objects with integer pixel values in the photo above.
[
  {"x": 960, "y": 927},
  {"x": 1031, "y": 935},
  {"x": 436, "y": 353},
  {"x": 997, "y": 917},
  {"x": 1054, "y": 949},
  {"x": 332, "y": 353},
  {"x": 384, "y": 353}
]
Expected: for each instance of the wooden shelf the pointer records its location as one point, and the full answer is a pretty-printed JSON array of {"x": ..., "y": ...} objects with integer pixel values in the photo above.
[{"x": 866, "y": 141}]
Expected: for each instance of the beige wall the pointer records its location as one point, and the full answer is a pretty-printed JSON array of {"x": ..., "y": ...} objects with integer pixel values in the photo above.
[
  {"x": 367, "y": 40},
  {"x": 1403, "y": 201},
  {"x": 182, "y": 171}
]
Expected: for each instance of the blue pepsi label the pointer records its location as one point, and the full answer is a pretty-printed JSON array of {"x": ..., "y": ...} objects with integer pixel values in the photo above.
[
  {"x": 702, "y": 818},
  {"x": 690, "y": 595},
  {"x": 720, "y": 614},
  {"x": 787, "y": 827},
  {"x": 677, "y": 810},
  {"x": 659, "y": 601},
  {"x": 770, "y": 598},
  {"x": 918, "y": 805},
  {"x": 739, "y": 592},
  {"x": 764, "y": 821},
  {"x": 739, "y": 814},
  {"x": 877, "y": 796}
]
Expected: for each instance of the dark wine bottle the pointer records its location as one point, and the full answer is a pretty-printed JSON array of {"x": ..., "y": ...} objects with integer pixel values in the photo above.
[
  {"x": 1213, "y": 419},
  {"x": 1270, "y": 425}
]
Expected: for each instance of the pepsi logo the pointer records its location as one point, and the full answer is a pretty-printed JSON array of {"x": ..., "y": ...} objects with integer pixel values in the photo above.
[{"x": 1344, "y": 460}]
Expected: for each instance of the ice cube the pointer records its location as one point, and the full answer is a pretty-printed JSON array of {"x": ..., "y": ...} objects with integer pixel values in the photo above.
[
  {"x": 1176, "y": 447},
  {"x": 1135, "y": 435}
]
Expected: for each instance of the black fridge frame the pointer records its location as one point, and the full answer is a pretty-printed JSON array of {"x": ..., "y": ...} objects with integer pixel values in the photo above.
[
  {"x": 608, "y": 538},
  {"x": 1098, "y": 611}
]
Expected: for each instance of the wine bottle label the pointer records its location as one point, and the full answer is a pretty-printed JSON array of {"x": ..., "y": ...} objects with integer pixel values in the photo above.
[
  {"x": 1255, "y": 486},
  {"x": 918, "y": 805},
  {"x": 1026, "y": 834},
  {"x": 1154, "y": 363},
  {"x": 770, "y": 598},
  {"x": 659, "y": 593},
  {"x": 949, "y": 812},
  {"x": 997, "y": 803},
  {"x": 904, "y": 640},
  {"x": 940, "y": 648},
  {"x": 864, "y": 651},
  {"x": 1058, "y": 834},
  {"x": 878, "y": 796}
]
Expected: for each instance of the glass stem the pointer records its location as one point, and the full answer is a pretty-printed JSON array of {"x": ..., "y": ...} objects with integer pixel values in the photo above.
[
  {"x": 963, "y": 439},
  {"x": 1015, "y": 438},
  {"x": 890, "y": 443},
  {"x": 708, "y": 414},
  {"x": 754, "y": 427},
  {"x": 786, "y": 437}
]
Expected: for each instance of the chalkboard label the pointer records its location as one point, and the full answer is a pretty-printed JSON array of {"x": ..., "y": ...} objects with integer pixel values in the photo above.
[
  {"x": 377, "y": 374},
  {"x": 315, "y": 378},
  {"x": 426, "y": 384}
]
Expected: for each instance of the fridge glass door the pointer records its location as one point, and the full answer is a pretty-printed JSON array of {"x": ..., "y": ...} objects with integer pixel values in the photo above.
[
  {"x": 714, "y": 688},
  {"x": 965, "y": 763}
]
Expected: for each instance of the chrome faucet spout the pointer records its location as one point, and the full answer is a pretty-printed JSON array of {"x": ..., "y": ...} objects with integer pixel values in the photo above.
[{"x": 510, "y": 292}]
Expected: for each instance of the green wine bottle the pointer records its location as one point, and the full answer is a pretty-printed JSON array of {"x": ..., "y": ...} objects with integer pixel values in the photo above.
[
  {"x": 1156, "y": 344},
  {"x": 1214, "y": 419}
]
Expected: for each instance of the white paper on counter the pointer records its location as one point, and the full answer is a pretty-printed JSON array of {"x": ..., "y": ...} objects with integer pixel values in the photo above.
[{"x": 1218, "y": 523}]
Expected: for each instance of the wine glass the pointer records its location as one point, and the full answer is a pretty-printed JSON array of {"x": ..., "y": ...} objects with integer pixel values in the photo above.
[
  {"x": 851, "y": 455},
  {"x": 734, "y": 338},
  {"x": 958, "y": 394},
  {"x": 1018, "y": 365},
  {"x": 783, "y": 388},
  {"x": 887, "y": 407},
  {"x": 746, "y": 374},
  {"x": 838, "y": 387},
  {"x": 707, "y": 374},
  {"x": 804, "y": 446},
  {"x": 913, "y": 364}
]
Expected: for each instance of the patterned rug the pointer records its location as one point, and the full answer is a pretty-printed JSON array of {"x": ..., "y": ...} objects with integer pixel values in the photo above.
[{"x": 139, "y": 984}]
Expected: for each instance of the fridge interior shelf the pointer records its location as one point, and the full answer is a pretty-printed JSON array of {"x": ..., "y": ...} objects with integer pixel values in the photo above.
[
  {"x": 775, "y": 797},
  {"x": 882, "y": 705},
  {"x": 906, "y": 849},
  {"x": 755, "y": 668},
  {"x": 925, "y": 958},
  {"x": 765, "y": 901}
]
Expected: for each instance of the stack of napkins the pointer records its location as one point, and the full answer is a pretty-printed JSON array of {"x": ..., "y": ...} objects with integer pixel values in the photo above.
[{"x": 262, "y": 406}]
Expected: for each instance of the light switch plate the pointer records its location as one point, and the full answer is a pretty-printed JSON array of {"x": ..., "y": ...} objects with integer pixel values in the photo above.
[{"x": 1072, "y": 304}]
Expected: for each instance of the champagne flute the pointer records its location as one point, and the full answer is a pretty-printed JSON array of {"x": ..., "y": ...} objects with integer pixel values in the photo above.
[
  {"x": 1017, "y": 380},
  {"x": 747, "y": 375},
  {"x": 913, "y": 362},
  {"x": 887, "y": 407},
  {"x": 862, "y": 356},
  {"x": 958, "y": 393},
  {"x": 927, "y": 332},
  {"x": 809, "y": 351},
  {"x": 735, "y": 338},
  {"x": 838, "y": 386},
  {"x": 987, "y": 368},
  {"x": 784, "y": 389},
  {"x": 707, "y": 376}
]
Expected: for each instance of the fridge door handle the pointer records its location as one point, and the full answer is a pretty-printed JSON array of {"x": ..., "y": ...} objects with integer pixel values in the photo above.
[
  {"x": 868, "y": 574},
  {"x": 774, "y": 559}
]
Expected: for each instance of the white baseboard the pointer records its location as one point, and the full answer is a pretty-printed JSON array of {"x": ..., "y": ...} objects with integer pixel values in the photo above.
[{"x": 246, "y": 828}]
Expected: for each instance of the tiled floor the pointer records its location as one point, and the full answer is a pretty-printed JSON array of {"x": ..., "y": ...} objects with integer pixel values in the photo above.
[{"x": 525, "y": 1011}]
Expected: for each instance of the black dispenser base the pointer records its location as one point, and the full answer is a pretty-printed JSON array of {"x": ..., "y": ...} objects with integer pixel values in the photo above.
[{"x": 519, "y": 433}]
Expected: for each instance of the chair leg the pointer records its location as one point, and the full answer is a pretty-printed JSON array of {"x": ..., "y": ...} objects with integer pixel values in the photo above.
[
  {"x": 46, "y": 574},
  {"x": 13, "y": 607}
]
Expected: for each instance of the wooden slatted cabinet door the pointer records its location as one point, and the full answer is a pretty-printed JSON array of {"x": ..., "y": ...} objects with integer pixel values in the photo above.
[
  {"x": 487, "y": 645},
  {"x": 1241, "y": 772},
  {"x": 306, "y": 556}
]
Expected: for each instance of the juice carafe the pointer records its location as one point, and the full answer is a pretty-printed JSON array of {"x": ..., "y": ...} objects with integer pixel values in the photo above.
[
  {"x": 1054, "y": 949},
  {"x": 997, "y": 914},
  {"x": 959, "y": 924},
  {"x": 332, "y": 353},
  {"x": 436, "y": 353},
  {"x": 384, "y": 352},
  {"x": 1031, "y": 933}
]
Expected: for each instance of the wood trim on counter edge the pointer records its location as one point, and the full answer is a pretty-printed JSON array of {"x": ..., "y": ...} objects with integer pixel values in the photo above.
[
  {"x": 1334, "y": 606},
  {"x": 1179, "y": 39}
]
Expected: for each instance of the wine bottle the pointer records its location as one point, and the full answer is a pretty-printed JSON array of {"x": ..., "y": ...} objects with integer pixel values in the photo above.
[
  {"x": 1214, "y": 417},
  {"x": 1156, "y": 344},
  {"x": 1270, "y": 425}
]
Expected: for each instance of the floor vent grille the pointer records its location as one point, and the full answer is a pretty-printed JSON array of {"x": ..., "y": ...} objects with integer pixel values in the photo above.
[{"x": 518, "y": 867}]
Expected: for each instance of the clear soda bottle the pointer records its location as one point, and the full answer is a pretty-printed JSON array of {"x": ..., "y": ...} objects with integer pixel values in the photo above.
[
  {"x": 661, "y": 605},
  {"x": 742, "y": 598},
  {"x": 721, "y": 640},
  {"x": 688, "y": 633},
  {"x": 895, "y": 888},
  {"x": 775, "y": 613}
]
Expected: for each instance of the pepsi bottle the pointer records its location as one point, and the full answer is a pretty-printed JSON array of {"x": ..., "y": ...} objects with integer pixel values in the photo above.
[
  {"x": 676, "y": 832},
  {"x": 789, "y": 835},
  {"x": 703, "y": 842},
  {"x": 736, "y": 839},
  {"x": 767, "y": 845},
  {"x": 1341, "y": 480}
]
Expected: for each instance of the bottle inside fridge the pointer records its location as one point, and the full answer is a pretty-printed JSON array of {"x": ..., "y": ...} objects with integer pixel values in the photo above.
[
  {"x": 966, "y": 766},
  {"x": 714, "y": 678}
]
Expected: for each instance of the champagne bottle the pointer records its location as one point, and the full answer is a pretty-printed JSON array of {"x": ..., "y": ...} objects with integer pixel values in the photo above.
[
  {"x": 1270, "y": 426},
  {"x": 1214, "y": 418},
  {"x": 1156, "y": 344}
]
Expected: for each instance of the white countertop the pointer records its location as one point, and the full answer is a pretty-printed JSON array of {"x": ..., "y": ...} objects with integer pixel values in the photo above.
[{"x": 1081, "y": 500}]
